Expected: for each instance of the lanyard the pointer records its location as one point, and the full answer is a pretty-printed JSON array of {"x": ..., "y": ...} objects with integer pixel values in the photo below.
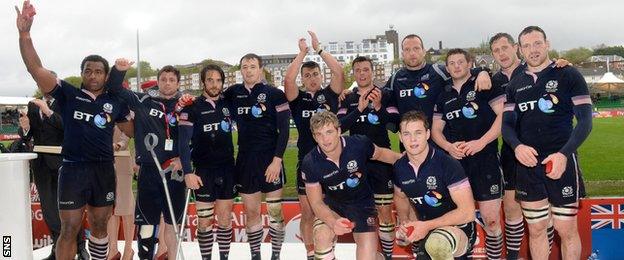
[{"x": 166, "y": 121}]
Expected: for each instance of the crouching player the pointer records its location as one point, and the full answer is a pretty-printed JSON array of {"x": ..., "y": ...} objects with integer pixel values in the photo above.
[
  {"x": 432, "y": 196},
  {"x": 337, "y": 167}
]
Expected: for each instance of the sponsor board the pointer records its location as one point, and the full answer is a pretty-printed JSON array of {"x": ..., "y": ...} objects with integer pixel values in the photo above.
[{"x": 600, "y": 221}]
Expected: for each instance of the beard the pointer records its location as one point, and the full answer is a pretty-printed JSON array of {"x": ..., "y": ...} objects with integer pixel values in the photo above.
[{"x": 212, "y": 93}]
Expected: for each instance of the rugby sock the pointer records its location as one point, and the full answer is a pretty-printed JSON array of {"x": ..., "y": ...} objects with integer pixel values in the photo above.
[
  {"x": 255, "y": 238},
  {"x": 386, "y": 237},
  {"x": 224, "y": 237},
  {"x": 205, "y": 239},
  {"x": 98, "y": 247},
  {"x": 550, "y": 231},
  {"x": 514, "y": 231},
  {"x": 325, "y": 254},
  {"x": 276, "y": 225},
  {"x": 494, "y": 246},
  {"x": 415, "y": 249},
  {"x": 277, "y": 239}
]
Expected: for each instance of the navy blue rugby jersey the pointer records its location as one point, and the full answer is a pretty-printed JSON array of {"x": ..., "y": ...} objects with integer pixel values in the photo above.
[
  {"x": 346, "y": 181},
  {"x": 305, "y": 106},
  {"x": 418, "y": 89},
  {"x": 429, "y": 186},
  {"x": 211, "y": 142},
  {"x": 88, "y": 122},
  {"x": 255, "y": 113},
  {"x": 468, "y": 114},
  {"x": 500, "y": 80},
  {"x": 369, "y": 122},
  {"x": 544, "y": 103},
  {"x": 153, "y": 114}
]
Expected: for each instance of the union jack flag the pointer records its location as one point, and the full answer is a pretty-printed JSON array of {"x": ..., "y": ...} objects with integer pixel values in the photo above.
[{"x": 607, "y": 216}]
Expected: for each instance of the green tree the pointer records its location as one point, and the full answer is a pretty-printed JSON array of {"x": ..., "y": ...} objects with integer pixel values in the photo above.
[
  {"x": 610, "y": 50},
  {"x": 553, "y": 54},
  {"x": 348, "y": 73},
  {"x": 269, "y": 77},
  {"x": 38, "y": 93},
  {"x": 146, "y": 71},
  {"x": 577, "y": 55},
  {"x": 234, "y": 68},
  {"x": 74, "y": 80},
  {"x": 215, "y": 62}
]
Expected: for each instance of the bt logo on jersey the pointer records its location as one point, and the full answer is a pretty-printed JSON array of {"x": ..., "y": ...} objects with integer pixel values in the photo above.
[
  {"x": 100, "y": 120},
  {"x": 453, "y": 114},
  {"x": 307, "y": 113},
  {"x": 525, "y": 106},
  {"x": 156, "y": 113},
  {"x": 469, "y": 110},
  {"x": 243, "y": 110},
  {"x": 545, "y": 104},
  {"x": 79, "y": 115}
]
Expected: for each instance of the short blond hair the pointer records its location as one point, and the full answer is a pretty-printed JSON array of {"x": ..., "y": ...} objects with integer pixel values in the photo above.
[{"x": 322, "y": 119}]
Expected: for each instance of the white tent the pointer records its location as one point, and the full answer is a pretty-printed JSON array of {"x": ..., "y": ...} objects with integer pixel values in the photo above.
[
  {"x": 14, "y": 100},
  {"x": 609, "y": 83}
]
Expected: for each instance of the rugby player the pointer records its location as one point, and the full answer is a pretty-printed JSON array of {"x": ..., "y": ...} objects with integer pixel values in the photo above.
[
  {"x": 467, "y": 124},
  {"x": 303, "y": 104},
  {"x": 87, "y": 177},
  {"x": 433, "y": 197},
  {"x": 537, "y": 123},
  {"x": 339, "y": 167},
  {"x": 207, "y": 124},
  {"x": 155, "y": 113},
  {"x": 262, "y": 116},
  {"x": 367, "y": 111}
]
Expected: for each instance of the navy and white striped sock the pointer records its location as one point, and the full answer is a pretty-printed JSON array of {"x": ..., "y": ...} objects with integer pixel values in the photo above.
[{"x": 98, "y": 247}]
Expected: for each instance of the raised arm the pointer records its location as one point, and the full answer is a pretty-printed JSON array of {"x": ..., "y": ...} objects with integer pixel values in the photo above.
[
  {"x": 337, "y": 79},
  {"x": 46, "y": 81},
  {"x": 290, "y": 79}
]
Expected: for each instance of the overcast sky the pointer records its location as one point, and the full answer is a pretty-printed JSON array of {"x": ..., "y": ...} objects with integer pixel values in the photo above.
[{"x": 182, "y": 32}]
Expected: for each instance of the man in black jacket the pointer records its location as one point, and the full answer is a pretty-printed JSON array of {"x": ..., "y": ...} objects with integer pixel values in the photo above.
[{"x": 43, "y": 124}]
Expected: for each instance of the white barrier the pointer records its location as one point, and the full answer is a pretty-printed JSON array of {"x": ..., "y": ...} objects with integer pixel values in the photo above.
[{"x": 15, "y": 220}]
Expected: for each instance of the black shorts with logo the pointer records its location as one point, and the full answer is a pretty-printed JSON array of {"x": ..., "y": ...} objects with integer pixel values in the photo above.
[
  {"x": 485, "y": 175},
  {"x": 151, "y": 201},
  {"x": 534, "y": 185},
  {"x": 380, "y": 177},
  {"x": 218, "y": 183},
  {"x": 362, "y": 214},
  {"x": 86, "y": 183},
  {"x": 508, "y": 163},
  {"x": 250, "y": 169}
]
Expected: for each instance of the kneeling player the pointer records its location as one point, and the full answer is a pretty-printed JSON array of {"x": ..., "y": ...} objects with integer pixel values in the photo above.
[
  {"x": 338, "y": 167},
  {"x": 432, "y": 195},
  {"x": 207, "y": 124}
]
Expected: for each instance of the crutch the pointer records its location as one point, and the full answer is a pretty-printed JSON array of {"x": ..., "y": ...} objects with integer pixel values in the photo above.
[
  {"x": 151, "y": 141},
  {"x": 184, "y": 217}
]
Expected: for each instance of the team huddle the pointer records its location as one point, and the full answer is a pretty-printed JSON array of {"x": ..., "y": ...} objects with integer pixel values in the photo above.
[{"x": 448, "y": 119}]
